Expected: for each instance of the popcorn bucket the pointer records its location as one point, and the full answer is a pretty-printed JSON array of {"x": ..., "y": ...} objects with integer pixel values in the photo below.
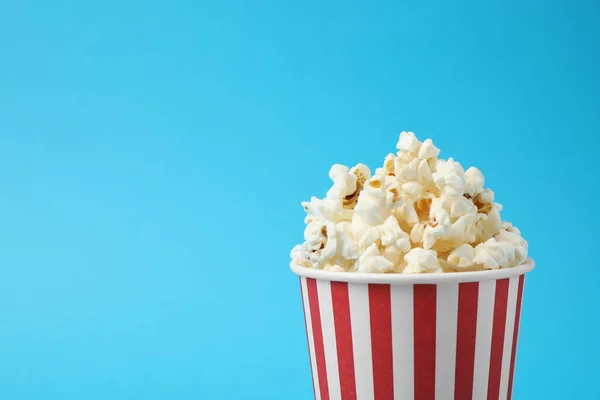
[{"x": 450, "y": 336}]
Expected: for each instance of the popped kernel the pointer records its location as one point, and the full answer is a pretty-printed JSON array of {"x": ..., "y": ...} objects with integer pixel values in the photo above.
[
  {"x": 416, "y": 214},
  {"x": 420, "y": 260}
]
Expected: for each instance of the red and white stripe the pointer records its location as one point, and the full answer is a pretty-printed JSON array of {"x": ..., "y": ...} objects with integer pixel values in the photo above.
[{"x": 446, "y": 341}]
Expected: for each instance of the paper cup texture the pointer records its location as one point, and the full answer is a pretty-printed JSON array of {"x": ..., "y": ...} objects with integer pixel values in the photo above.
[{"x": 450, "y": 340}]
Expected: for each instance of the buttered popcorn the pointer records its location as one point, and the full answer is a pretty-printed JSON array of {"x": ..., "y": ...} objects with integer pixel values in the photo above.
[{"x": 416, "y": 214}]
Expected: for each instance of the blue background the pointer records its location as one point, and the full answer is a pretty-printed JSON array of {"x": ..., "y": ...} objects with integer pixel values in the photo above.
[{"x": 153, "y": 156}]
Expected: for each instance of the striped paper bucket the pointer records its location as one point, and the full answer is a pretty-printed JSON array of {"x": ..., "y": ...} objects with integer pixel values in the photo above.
[{"x": 413, "y": 337}]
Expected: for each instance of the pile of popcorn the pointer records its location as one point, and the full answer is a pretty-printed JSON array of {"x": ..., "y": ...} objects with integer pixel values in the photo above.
[{"x": 417, "y": 214}]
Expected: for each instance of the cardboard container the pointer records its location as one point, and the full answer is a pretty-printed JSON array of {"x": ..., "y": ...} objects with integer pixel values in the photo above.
[{"x": 449, "y": 336}]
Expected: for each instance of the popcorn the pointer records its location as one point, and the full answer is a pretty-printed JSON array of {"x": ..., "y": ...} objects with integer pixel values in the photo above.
[
  {"x": 439, "y": 224},
  {"x": 347, "y": 246},
  {"x": 493, "y": 254},
  {"x": 410, "y": 148},
  {"x": 413, "y": 163},
  {"x": 362, "y": 173},
  {"x": 439, "y": 232},
  {"x": 415, "y": 214},
  {"x": 511, "y": 228},
  {"x": 486, "y": 197},
  {"x": 462, "y": 256},
  {"x": 412, "y": 188},
  {"x": 300, "y": 255},
  {"x": 334, "y": 268},
  {"x": 419, "y": 260},
  {"x": 474, "y": 181},
  {"x": 372, "y": 261},
  {"x": 408, "y": 143},
  {"x": 341, "y": 198},
  {"x": 322, "y": 241},
  {"x": 449, "y": 177},
  {"x": 428, "y": 150},
  {"x": 394, "y": 240},
  {"x": 391, "y": 243},
  {"x": 489, "y": 223},
  {"x": 389, "y": 164},
  {"x": 380, "y": 196},
  {"x": 460, "y": 206},
  {"x": 511, "y": 237},
  {"x": 417, "y": 232},
  {"x": 462, "y": 229},
  {"x": 417, "y": 170},
  {"x": 326, "y": 244}
]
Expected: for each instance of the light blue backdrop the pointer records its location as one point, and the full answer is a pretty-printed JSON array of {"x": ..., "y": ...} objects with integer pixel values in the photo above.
[{"x": 153, "y": 156}]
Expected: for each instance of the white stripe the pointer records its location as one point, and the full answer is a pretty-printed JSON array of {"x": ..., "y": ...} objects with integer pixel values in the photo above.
[
  {"x": 403, "y": 341},
  {"x": 483, "y": 341},
  {"x": 361, "y": 340},
  {"x": 311, "y": 339},
  {"x": 328, "y": 327},
  {"x": 445, "y": 344},
  {"x": 513, "y": 289},
  {"x": 518, "y": 334}
]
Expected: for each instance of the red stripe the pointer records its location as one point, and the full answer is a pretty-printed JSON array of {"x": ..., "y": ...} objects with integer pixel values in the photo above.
[
  {"x": 380, "y": 310},
  {"x": 424, "y": 341},
  {"x": 307, "y": 340},
  {"x": 343, "y": 339},
  {"x": 315, "y": 317},
  {"x": 465, "y": 340},
  {"x": 515, "y": 336},
  {"x": 498, "y": 332}
]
